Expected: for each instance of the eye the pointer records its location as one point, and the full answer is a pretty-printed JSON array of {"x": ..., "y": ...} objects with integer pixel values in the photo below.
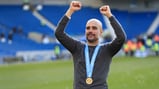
[
  {"x": 94, "y": 27},
  {"x": 88, "y": 27}
]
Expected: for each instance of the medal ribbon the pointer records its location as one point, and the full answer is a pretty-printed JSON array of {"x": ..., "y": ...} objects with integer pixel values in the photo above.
[{"x": 90, "y": 65}]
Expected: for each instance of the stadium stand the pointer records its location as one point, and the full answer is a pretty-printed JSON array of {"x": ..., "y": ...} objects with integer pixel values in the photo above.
[
  {"x": 134, "y": 23},
  {"x": 15, "y": 16}
]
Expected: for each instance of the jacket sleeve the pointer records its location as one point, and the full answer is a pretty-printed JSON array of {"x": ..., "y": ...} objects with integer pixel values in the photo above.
[
  {"x": 117, "y": 42},
  {"x": 67, "y": 41}
]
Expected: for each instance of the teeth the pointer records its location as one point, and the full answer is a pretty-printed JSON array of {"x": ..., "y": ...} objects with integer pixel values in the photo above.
[{"x": 91, "y": 35}]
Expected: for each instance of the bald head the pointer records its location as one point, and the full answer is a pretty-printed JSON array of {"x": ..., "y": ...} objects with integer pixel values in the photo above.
[{"x": 95, "y": 22}]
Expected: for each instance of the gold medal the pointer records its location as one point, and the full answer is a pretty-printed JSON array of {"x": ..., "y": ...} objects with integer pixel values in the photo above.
[{"x": 89, "y": 80}]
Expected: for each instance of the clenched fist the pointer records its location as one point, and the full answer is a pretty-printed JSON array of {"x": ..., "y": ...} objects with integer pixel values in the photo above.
[
  {"x": 105, "y": 10},
  {"x": 75, "y": 5}
]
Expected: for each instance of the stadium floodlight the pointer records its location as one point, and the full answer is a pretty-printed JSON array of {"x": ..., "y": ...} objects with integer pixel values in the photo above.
[
  {"x": 26, "y": 6},
  {"x": 29, "y": 6},
  {"x": 39, "y": 7}
]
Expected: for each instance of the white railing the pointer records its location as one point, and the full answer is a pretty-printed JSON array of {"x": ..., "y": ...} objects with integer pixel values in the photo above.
[{"x": 41, "y": 55}]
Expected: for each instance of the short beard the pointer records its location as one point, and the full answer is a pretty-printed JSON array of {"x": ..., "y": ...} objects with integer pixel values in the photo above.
[{"x": 92, "y": 40}]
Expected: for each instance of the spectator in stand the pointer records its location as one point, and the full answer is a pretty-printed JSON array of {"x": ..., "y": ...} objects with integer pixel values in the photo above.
[
  {"x": 156, "y": 38},
  {"x": 57, "y": 51},
  {"x": 45, "y": 39},
  {"x": 10, "y": 37},
  {"x": 126, "y": 49},
  {"x": 141, "y": 50},
  {"x": 155, "y": 46},
  {"x": 2, "y": 37},
  {"x": 130, "y": 48}
]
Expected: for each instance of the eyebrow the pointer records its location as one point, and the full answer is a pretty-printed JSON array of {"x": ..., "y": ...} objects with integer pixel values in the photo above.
[{"x": 93, "y": 27}]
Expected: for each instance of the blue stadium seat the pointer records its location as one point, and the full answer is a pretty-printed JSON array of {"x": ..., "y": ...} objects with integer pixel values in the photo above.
[{"x": 134, "y": 24}]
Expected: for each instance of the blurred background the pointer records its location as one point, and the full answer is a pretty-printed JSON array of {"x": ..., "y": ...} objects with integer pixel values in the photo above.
[{"x": 27, "y": 27}]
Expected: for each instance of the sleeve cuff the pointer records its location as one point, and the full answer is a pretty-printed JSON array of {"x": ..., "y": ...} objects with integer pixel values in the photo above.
[
  {"x": 112, "y": 18},
  {"x": 68, "y": 17}
]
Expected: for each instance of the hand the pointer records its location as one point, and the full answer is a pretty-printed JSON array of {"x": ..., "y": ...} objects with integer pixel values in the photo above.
[
  {"x": 105, "y": 10},
  {"x": 74, "y": 6}
]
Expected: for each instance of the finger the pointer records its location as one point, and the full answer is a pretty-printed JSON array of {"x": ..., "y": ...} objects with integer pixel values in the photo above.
[
  {"x": 105, "y": 8},
  {"x": 76, "y": 4}
]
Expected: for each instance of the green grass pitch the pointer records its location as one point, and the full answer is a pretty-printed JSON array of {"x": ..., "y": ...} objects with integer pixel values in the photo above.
[{"x": 125, "y": 73}]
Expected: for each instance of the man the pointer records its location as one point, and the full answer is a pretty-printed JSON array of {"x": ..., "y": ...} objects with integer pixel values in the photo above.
[{"x": 91, "y": 59}]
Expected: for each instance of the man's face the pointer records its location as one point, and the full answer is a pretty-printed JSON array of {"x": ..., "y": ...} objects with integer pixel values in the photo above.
[{"x": 93, "y": 31}]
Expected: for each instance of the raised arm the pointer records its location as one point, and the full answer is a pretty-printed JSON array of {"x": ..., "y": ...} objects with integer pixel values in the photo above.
[
  {"x": 118, "y": 42},
  {"x": 60, "y": 34},
  {"x": 105, "y": 10}
]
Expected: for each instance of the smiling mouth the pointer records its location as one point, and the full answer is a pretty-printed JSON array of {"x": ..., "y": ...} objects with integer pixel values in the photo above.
[{"x": 90, "y": 34}]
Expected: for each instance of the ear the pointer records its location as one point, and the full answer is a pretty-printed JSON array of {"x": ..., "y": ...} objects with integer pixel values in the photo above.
[{"x": 101, "y": 31}]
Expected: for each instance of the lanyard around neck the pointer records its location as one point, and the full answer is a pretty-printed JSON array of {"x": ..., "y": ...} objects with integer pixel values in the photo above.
[{"x": 90, "y": 64}]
